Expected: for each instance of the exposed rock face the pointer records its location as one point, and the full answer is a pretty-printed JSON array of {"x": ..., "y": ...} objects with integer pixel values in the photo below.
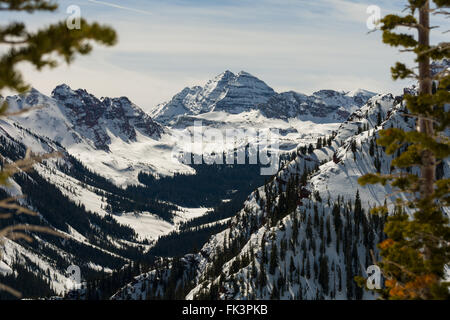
[
  {"x": 327, "y": 104},
  {"x": 244, "y": 93}
]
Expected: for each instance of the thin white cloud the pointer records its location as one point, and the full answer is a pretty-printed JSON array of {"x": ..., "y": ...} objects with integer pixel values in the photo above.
[{"x": 109, "y": 4}]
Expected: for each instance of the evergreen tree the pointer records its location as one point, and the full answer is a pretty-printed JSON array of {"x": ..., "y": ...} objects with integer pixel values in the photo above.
[
  {"x": 273, "y": 263},
  {"x": 319, "y": 143},
  {"x": 291, "y": 266},
  {"x": 379, "y": 119},
  {"x": 372, "y": 148},
  {"x": 324, "y": 274},
  {"x": 417, "y": 247}
]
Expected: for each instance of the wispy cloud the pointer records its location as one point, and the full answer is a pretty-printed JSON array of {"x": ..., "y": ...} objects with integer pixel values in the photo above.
[{"x": 113, "y": 5}]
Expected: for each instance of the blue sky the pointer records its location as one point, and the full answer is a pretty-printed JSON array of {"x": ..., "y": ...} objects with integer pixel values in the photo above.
[{"x": 166, "y": 45}]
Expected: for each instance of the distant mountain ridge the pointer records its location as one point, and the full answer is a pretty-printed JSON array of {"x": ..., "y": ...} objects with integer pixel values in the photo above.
[
  {"x": 330, "y": 104},
  {"x": 243, "y": 92}
]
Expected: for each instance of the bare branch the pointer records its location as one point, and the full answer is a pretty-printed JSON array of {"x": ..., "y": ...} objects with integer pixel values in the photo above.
[
  {"x": 374, "y": 261},
  {"x": 15, "y": 293},
  {"x": 9, "y": 203},
  {"x": 412, "y": 25},
  {"x": 443, "y": 46},
  {"x": 17, "y": 113},
  {"x": 442, "y": 12},
  {"x": 28, "y": 162},
  {"x": 13, "y": 42},
  {"x": 10, "y": 230},
  {"x": 417, "y": 117},
  {"x": 400, "y": 267},
  {"x": 19, "y": 235}
]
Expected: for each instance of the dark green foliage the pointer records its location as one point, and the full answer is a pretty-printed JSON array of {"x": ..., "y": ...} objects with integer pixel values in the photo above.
[
  {"x": 40, "y": 47},
  {"x": 186, "y": 241},
  {"x": 208, "y": 187}
]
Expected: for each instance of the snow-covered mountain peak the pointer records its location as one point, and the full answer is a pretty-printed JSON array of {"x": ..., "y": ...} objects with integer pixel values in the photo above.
[
  {"x": 238, "y": 94},
  {"x": 61, "y": 89},
  {"x": 228, "y": 92},
  {"x": 327, "y": 93},
  {"x": 226, "y": 76},
  {"x": 74, "y": 117},
  {"x": 65, "y": 93},
  {"x": 351, "y": 100},
  {"x": 360, "y": 93},
  {"x": 244, "y": 73},
  {"x": 97, "y": 118}
]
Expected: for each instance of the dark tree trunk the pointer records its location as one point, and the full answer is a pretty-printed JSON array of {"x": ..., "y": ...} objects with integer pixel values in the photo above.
[{"x": 428, "y": 168}]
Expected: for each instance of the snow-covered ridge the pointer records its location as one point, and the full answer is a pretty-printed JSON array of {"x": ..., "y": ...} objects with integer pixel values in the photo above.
[
  {"x": 336, "y": 178},
  {"x": 301, "y": 268},
  {"x": 322, "y": 106}
]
